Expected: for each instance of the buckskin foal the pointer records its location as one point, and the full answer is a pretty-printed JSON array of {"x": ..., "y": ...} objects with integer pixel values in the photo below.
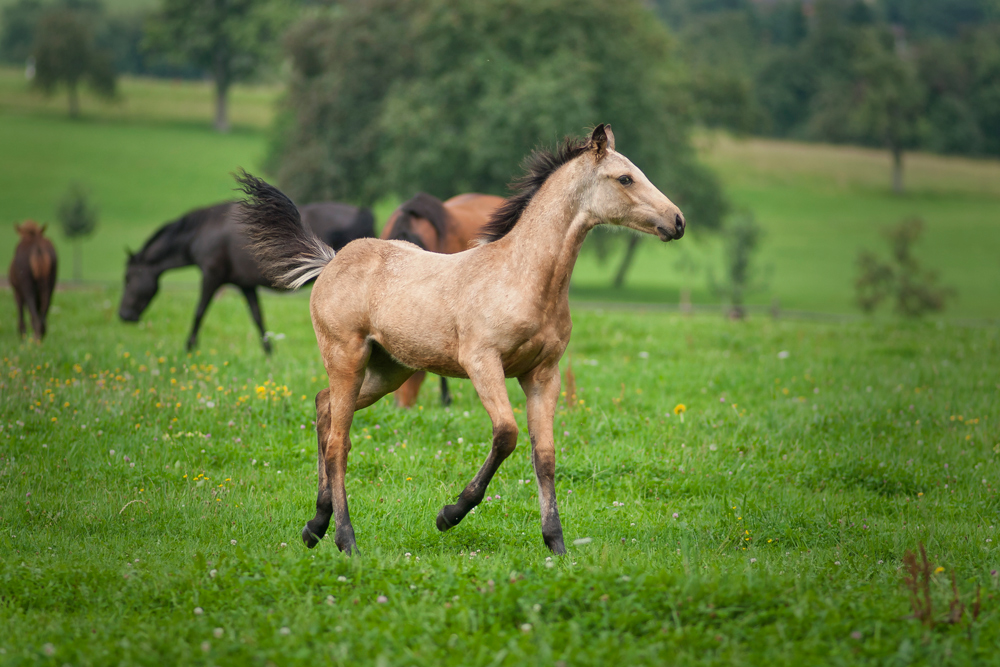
[{"x": 384, "y": 309}]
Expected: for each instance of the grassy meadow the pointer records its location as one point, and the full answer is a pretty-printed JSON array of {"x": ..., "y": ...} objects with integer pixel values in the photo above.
[
  {"x": 152, "y": 155},
  {"x": 731, "y": 493},
  {"x": 152, "y": 499}
]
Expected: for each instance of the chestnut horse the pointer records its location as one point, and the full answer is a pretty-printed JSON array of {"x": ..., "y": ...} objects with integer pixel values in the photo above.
[
  {"x": 447, "y": 227},
  {"x": 33, "y": 276},
  {"x": 382, "y": 310}
]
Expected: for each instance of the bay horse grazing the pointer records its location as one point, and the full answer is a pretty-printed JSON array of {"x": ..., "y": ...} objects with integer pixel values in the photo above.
[
  {"x": 33, "y": 276},
  {"x": 382, "y": 310},
  {"x": 447, "y": 227},
  {"x": 212, "y": 239}
]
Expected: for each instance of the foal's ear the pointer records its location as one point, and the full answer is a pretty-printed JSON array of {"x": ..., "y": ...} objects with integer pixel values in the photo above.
[{"x": 602, "y": 139}]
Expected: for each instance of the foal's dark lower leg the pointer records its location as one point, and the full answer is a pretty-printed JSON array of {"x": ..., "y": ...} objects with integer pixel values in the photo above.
[
  {"x": 504, "y": 442},
  {"x": 316, "y": 528},
  {"x": 445, "y": 392}
]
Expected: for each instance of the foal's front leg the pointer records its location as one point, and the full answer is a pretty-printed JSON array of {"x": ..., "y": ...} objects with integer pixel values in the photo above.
[
  {"x": 541, "y": 387},
  {"x": 488, "y": 378}
]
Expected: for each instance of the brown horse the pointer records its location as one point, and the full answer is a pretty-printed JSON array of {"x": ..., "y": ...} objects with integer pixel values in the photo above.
[
  {"x": 33, "y": 276},
  {"x": 382, "y": 310},
  {"x": 446, "y": 227}
]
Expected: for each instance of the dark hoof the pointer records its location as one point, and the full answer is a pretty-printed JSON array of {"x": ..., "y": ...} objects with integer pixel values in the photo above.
[
  {"x": 310, "y": 538},
  {"x": 191, "y": 345},
  {"x": 555, "y": 545},
  {"x": 345, "y": 542},
  {"x": 267, "y": 346},
  {"x": 448, "y": 517}
]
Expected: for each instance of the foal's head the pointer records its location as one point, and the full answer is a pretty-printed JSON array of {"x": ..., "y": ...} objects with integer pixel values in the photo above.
[{"x": 618, "y": 193}]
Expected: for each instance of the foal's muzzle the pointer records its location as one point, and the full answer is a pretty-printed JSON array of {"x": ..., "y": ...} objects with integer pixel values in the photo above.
[{"x": 671, "y": 232}]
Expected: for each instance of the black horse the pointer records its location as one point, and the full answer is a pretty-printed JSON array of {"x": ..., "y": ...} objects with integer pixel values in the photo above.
[{"x": 213, "y": 239}]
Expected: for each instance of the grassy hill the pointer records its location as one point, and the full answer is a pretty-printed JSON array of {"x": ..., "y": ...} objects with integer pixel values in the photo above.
[{"x": 152, "y": 155}]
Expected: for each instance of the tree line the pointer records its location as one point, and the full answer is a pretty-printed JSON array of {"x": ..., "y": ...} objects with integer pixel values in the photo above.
[{"x": 896, "y": 74}]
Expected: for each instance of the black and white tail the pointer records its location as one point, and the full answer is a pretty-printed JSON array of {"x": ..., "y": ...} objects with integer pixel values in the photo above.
[{"x": 288, "y": 253}]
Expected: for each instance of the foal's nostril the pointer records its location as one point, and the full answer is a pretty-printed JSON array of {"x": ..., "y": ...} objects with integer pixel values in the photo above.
[{"x": 679, "y": 222}]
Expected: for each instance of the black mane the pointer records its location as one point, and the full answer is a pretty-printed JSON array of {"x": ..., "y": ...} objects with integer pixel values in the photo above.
[
  {"x": 174, "y": 234},
  {"x": 537, "y": 168}
]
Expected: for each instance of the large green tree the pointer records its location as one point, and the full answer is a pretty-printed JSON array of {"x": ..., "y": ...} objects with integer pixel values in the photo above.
[
  {"x": 448, "y": 96},
  {"x": 229, "y": 39},
  {"x": 66, "y": 55}
]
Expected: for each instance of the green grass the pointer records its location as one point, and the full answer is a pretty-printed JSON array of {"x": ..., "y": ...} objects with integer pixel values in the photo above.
[{"x": 766, "y": 527}]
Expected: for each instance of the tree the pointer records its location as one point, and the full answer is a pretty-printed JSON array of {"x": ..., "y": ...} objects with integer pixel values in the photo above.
[
  {"x": 889, "y": 102},
  {"x": 66, "y": 54},
  {"x": 741, "y": 239},
  {"x": 229, "y": 39},
  {"x": 915, "y": 289},
  {"x": 79, "y": 220},
  {"x": 448, "y": 96}
]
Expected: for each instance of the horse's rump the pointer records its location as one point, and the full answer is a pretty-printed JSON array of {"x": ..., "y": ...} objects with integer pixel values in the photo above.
[{"x": 40, "y": 261}]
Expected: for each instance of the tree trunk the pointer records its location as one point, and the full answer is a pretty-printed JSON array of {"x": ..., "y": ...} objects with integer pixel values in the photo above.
[
  {"x": 897, "y": 170},
  {"x": 74, "y": 100},
  {"x": 221, "y": 105},
  {"x": 77, "y": 262},
  {"x": 633, "y": 243}
]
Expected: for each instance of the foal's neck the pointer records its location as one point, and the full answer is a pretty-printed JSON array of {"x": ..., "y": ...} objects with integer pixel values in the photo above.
[{"x": 547, "y": 240}]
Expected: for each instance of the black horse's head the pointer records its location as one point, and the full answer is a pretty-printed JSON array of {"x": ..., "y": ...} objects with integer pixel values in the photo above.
[{"x": 141, "y": 284}]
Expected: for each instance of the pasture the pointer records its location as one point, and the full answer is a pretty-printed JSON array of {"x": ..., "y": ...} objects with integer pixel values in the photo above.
[
  {"x": 152, "y": 499},
  {"x": 153, "y": 155}
]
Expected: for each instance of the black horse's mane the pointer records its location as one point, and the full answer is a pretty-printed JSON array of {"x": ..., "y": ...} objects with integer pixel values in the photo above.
[
  {"x": 174, "y": 234},
  {"x": 537, "y": 168}
]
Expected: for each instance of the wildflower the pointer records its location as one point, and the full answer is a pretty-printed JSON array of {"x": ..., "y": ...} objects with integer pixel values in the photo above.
[
  {"x": 753, "y": 560},
  {"x": 341, "y": 578},
  {"x": 382, "y": 599},
  {"x": 283, "y": 545},
  {"x": 285, "y": 631},
  {"x": 783, "y": 354},
  {"x": 49, "y": 649},
  {"x": 526, "y": 627},
  {"x": 198, "y": 611},
  {"x": 330, "y": 600},
  {"x": 938, "y": 570},
  {"x": 218, "y": 632},
  {"x": 676, "y": 515},
  {"x": 233, "y": 542},
  {"x": 680, "y": 408},
  {"x": 212, "y": 573},
  {"x": 855, "y": 635}
]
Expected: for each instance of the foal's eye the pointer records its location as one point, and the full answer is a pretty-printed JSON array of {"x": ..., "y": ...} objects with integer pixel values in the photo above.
[{"x": 625, "y": 180}]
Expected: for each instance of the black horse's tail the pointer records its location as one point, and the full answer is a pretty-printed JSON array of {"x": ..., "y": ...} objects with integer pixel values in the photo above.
[{"x": 288, "y": 253}]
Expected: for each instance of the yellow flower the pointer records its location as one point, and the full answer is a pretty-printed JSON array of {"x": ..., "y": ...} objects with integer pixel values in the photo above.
[
  {"x": 938, "y": 570},
  {"x": 680, "y": 408}
]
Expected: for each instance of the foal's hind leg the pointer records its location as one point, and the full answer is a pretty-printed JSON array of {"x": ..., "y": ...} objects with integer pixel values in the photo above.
[
  {"x": 541, "y": 387},
  {"x": 316, "y": 528},
  {"x": 488, "y": 378}
]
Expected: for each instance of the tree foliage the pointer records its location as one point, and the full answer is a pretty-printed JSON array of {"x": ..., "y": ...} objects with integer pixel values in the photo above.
[
  {"x": 66, "y": 54},
  {"x": 448, "y": 96},
  {"x": 229, "y": 39},
  {"x": 902, "y": 278},
  {"x": 78, "y": 217},
  {"x": 741, "y": 238}
]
